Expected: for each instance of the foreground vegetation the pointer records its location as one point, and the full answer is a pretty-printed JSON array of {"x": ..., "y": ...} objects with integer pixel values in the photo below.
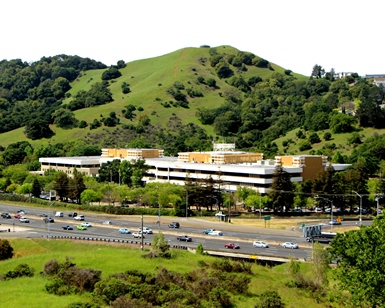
[{"x": 183, "y": 268}]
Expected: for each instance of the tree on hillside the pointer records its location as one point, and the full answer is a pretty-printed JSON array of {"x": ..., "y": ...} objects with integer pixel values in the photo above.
[
  {"x": 111, "y": 73},
  {"x": 38, "y": 128},
  {"x": 318, "y": 71},
  {"x": 64, "y": 118},
  {"x": 6, "y": 250},
  {"x": 360, "y": 266},
  {"x": 281, "y": 192}
]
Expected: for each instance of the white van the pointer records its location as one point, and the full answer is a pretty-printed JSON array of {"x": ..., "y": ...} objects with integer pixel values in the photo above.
[{"x": 59, "y": 214}]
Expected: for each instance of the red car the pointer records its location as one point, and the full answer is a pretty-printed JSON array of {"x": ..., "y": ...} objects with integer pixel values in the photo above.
[
  {"x": 18, "y": 216},
  {"x": 232, "y": 246}
]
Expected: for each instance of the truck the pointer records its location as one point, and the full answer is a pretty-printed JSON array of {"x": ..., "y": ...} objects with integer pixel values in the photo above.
[{"x": 314, "y": 234}]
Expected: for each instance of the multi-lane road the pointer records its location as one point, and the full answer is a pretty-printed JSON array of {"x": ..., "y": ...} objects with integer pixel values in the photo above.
[{"x": 242, "y": 235}]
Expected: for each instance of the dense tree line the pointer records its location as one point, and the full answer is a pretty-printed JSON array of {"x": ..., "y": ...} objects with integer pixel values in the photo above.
[{"x": 32, "y": 92}]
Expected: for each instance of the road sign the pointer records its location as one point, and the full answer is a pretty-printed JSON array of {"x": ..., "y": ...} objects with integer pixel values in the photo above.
[{"x": 267, "y": 217}]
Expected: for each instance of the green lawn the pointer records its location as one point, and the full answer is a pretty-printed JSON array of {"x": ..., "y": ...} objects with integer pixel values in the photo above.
[{"x": 30, "y": 292}]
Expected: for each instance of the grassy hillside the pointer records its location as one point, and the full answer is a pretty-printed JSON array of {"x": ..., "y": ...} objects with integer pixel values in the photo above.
[
  {"x": 118, "y": 259},
  {"x": 149, "y": 80}
]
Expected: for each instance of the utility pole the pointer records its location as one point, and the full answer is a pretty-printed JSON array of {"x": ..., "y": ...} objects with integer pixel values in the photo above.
[
  {"x": 186, "y": 203},
  {"x": 142, "y": 235},
  {"x": 360, "y": 205}
]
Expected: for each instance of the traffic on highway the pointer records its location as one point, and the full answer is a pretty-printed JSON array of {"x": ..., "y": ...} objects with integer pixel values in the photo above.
[{"x": 188, "y": 232}]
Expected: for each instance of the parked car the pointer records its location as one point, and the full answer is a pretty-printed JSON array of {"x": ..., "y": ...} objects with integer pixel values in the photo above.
[
  {"x": 18, "y": 216},
  {"x": 318, "y": 210},
  {"x": 216, "y": 233},
  {"x": 232, "y": 246},
  {"x": 80, "y": 227},
  {"x": 290, "y": 245},
  {"x": 260, "y": 244},
  {"x": 185, "y": 238},
  {"x": 124, "y": 231},
  {"x": 67, "y": 228},
  {"x": 174, "y": 225},
  {"x": 138, "y": 235},
  {"x": 23, "y": 219},
  {"x": 48, "y": 220},
  {"x": 334, "y": 222},
  {"x": 146, "y": 230},
  {"x": 79, "y": 217},
  {"x": 364, "y": 211},
  {"x": 207, "y": 231},
  {"x": 86, "y": 224},
  {"x": 6, "y": 215},
  {"x": 71, "y": 214}
]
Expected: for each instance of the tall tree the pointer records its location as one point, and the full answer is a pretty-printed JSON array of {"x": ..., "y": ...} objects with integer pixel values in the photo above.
[
  {"x": 281, "y": 192},
  {"x": 76, "y": 186},
  {"x": 360, "y": 264},
  {"x": 61, "y": 185},
  {"x": 36, "y": 188}
]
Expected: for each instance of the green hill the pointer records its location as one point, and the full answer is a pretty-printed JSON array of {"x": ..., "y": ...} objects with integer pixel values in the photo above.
[{"x": 149, "y": 80}]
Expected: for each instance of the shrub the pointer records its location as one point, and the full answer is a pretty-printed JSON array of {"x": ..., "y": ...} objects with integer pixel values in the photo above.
[
  {"x": 314, "y": 138},
  {"x": 6, "y": 250},
  {"x": 305, "y": 145},
  {"x": 20, "y": 271},
  {"x": 270, "y": 299},
  {"x": 83, "y": 124},
  {"x": 327, "y": 136}
]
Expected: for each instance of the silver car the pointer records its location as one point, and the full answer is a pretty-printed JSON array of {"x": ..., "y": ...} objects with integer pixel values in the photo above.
[
  {"x": 260, "y": 244},
  {"x": 290, "y": 245}
]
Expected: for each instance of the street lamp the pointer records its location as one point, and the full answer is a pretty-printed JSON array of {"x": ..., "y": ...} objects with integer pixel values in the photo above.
[
  {"x": 157, "y": 189},
  {"x": 186, "y": 203},
  {"x": 331, "y": 210},
  {"x": 360, "y": 205},
  {"x": 142, "y": 234}
]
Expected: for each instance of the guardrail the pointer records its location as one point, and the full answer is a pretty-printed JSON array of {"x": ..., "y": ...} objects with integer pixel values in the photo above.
[{"x": 99, "y": 239}]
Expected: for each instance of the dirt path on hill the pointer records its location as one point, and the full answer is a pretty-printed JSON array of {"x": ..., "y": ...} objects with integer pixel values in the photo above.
[{"x": 176, "y": 68}]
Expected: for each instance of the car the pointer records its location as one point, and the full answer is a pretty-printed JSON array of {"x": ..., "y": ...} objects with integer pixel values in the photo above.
[
  {"x": 260, "y": 244},
  {"x": 86, "y": 224},
  {"x": 334, "y": 222},
  {"x": 71, "y": 214},
  {"x": 18, "y": 216},
  {"x": 21, "y": 212},
  {"x": 67, "y": 228},
  {"x": 59, "y": 214},
  {"x": 216, "y": 233},
  {"x": 185, "y": 238},
  {"x": 328, "y": 210},
  {"x": 297, "y": 210},
  {"x": 23, "y": 219},
  {"x": 207, "y": 231},
  {"x": 6, "y": 215},
  {"x": 79, "y": 217},
  {"x": 80, "y": 227},
  {"x": 232, "y": 246},
  {"x": 174, "y": 225},
  {"x": 146, "y": 230},
  {"x": 138, "y": 235},
  {"x": 124, "y": 231},
  {"x": 43, "y": 215},
  {"x": 379, "y": 212},
  {"x": 107, "y": 222},
  {"x": 48, "y": 220},
  {"x": 290, "y": 245},
  {"x": 318, "y": 210}
]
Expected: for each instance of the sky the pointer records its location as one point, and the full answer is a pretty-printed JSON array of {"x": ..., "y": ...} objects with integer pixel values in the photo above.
[{"x": 296, "y": 34}]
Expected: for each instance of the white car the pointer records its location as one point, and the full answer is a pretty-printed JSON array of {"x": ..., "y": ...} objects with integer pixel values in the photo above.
[
  {"x": 146, "y": 230},
  {"x": 216, "y": 233},
  {"x": 290, "y": 245},
  {"x": 86, "y": 224},
  {"x": 260, "y": 244},
  {"x": 137, "y": 235},
  {"x": 107, "y": 222},
  {"x": 79, "y": 217},
  {"x": 25, "y": 220}
]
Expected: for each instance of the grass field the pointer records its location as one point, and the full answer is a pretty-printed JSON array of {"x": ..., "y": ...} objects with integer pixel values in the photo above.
[{"x": 30, "y": 292}]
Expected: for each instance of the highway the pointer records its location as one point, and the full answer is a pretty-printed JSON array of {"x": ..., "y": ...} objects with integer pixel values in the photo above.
[{"x": 242, "y": 235}]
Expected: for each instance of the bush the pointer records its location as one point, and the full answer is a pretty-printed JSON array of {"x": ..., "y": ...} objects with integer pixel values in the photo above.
[
  {"x": 270, "y": 299},
  {"x": 327, "y": 136},
  {"x": 314, "y": 138},
  {"x": 6, "y": 250},
  {"x": 305, "y": 145},
  {"x": 22, "y": 270}
]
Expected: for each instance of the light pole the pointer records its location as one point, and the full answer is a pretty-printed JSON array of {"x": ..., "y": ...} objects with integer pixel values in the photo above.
[
  {"x": 360, "y": 205},
  {"x": 186, "y": 203},
  {"x": 158, "y": 208},
  {"x": 378, "y": 196},
  {"x": 331, "y": 210},
  {"x": 48, "y": 218},
  {"x": 142, "y": 234},
  {"x": 260, "y": 206}
]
